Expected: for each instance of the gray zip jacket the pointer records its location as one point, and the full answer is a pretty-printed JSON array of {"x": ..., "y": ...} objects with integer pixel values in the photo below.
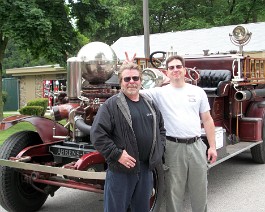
[{"x": 112, "y": 132}]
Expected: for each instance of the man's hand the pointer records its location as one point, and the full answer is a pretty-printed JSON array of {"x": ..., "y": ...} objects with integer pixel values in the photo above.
[
  {"x": 212, "y": 155},
  {"x": 127, "y": 60},
  {"x": 127, "y": 160}
]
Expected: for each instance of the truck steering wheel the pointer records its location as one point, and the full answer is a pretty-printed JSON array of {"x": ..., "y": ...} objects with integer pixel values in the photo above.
[{"x": 158, "y": 62}]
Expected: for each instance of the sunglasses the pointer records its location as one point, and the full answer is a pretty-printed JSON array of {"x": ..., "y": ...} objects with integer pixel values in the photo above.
[
  {"x": 128, "y": 79},
  {"x": 177, "y": 67}
]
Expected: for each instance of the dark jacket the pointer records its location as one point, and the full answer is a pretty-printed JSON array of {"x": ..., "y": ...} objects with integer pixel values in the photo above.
[{"x": 112, "y": 132}]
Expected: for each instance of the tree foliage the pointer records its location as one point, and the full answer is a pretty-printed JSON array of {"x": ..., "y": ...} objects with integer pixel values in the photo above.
[
  {"x": 16, "y": 57},
  {"x": 125, "y": 18},
  {"x": 41, "y": 27}
]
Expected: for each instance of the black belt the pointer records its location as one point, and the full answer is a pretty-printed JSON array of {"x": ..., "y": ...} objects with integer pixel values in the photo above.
[{"x": 183, "y": 140}]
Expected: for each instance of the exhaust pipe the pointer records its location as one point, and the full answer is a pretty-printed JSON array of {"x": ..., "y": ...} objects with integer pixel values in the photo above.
[{"x": 249, "y": 94}]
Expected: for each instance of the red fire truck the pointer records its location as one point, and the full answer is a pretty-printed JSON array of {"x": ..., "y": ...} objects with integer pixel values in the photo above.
[{"x": 35, "y": 164}]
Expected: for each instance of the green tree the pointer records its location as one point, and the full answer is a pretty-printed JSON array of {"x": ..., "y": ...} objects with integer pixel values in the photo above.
[
  {"x": 41, "y": 27},
  {"x": 117, "y": 18},
  {"x": 174, "y": 15},
  {"x": 91, "y": 18},
  {"x": 15, "y": 57}
]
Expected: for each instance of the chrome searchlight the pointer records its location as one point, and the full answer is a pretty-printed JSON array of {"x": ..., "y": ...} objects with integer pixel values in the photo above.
[{"x": 240, "y": 37}]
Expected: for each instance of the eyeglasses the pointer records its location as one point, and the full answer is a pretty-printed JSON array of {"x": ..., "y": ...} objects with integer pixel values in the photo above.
[
  {"x": 177, "y": 67},
  {"x": 128, "y": 79}
]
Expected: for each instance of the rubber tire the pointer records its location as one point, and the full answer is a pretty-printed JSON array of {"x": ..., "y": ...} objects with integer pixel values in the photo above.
[
  {"x": 258, "y": 151},
  {"x": 159, "y": 181},
  {"x": 15, "y": 194}
]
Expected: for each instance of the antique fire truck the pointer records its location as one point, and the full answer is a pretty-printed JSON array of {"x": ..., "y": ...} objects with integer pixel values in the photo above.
[{"x": 35, "y": 164}]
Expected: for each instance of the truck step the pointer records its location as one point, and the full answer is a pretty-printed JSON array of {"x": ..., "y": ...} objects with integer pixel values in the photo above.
[{"x": 234, "y": 149}]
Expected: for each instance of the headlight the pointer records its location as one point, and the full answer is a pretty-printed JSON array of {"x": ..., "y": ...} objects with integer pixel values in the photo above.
[
  {"x": 240, "y": 35},
  {"x": 152, "y": 78}
]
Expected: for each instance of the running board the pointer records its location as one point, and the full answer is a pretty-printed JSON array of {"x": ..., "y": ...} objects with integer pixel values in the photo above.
[
  {"x": 53, "y": 170},
  {"x": 235, "y": 149}
]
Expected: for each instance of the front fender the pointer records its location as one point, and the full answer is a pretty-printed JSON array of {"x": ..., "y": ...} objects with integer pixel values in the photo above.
[{"x": 44, "y": 126}]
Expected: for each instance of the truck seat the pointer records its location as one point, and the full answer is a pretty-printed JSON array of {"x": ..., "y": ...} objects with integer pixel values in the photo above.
[{"x": 215, "y": 82}]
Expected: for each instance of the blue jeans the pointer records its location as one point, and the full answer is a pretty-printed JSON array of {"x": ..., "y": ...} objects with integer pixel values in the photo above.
[{"x": 123, "y": 191}]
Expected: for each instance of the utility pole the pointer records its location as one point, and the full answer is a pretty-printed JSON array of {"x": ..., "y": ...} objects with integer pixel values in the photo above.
[{"x": 146, "y": 28}]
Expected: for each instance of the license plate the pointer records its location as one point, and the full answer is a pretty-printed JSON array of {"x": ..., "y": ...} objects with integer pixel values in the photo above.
[{"x": 67, "y": 152}]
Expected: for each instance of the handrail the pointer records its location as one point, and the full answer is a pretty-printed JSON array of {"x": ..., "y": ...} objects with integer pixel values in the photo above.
[{"x": 254, "y": 69}]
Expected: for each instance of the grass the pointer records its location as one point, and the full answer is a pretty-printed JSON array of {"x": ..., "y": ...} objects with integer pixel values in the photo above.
[{"x": 16, "y": 128}]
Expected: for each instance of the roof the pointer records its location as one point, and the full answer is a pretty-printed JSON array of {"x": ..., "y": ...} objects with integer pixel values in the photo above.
[
  {"x": 46, "y": 69},
  {"x": 189, "y": 42}
]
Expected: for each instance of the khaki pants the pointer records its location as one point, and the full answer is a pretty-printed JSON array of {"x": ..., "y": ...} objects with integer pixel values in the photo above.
[{"x": 187, "y": 167}]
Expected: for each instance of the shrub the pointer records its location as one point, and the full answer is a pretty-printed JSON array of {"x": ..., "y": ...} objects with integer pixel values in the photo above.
[
  {"x": 5, "y": 95},
  {"x": 35, "y": 107},
  {"x": 42, "y": 102},
  {"x": 31, "y": 110}
]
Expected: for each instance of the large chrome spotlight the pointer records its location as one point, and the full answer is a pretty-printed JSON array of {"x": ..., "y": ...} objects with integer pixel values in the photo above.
[
  {"x": 152, "y": 78},
  {"x": 240, "y": 37}
]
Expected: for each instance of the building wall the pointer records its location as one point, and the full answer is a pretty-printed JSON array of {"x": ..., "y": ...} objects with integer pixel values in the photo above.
[
  {"x": 23, "y": 92},
  {"x": 31, "y": 87},
  {"x": 31, "y": 80}
]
